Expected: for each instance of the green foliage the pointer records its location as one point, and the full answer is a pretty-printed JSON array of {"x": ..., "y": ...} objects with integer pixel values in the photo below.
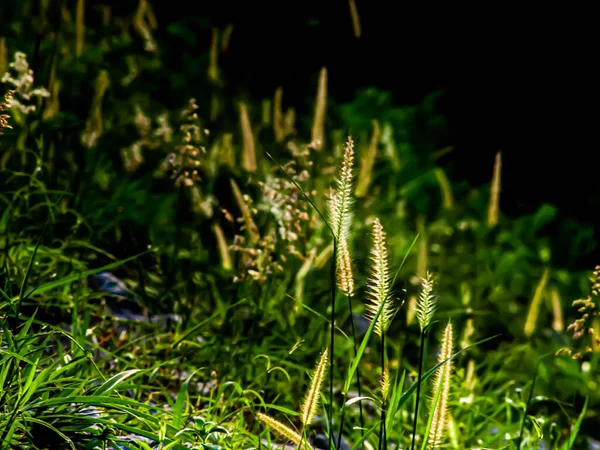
[{"x": 119, "y": 170}]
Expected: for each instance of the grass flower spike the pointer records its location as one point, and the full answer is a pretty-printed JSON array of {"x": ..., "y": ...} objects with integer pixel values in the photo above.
[
  {"x": 441, "y": 383},
  {"x": 342, "y": 198},
  {"x": 311, "y": 402},
  {"x": 280, "y": 428},
  {"x": 426, "y": 303},
  {"x": 379, "y": 283},
  {"x": 385, "y": 382},
  {"x": 340, "y": 211}
]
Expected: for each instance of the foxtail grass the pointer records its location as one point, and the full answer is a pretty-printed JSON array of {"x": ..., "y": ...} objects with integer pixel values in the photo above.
[
  {"x": 278, "y": 127},
  {"x": 558, "y": 323},
  {"x": 213, "y": 66},
  {"x": 425, "y": 309},
  {"x": 367, "y": 161},
  {"x": 249, "y": 223},
  {"x": 222, "y": 247},
  {"x": 445, "y": 188},
  {"x": 308, "y": 409},
  {"x": 80, "y": 27},
  {"x": 94, "y": 126},
  {"x": 381, "y": 303},
  {"x": 281, "y": 429},
  {"x": 494, "y": 204},
  {"x": 534, "y": 307},
  {"x": 3, "y": 56},
  {"x": 341, "y": 214},
  {"x": 318, "y": 128},
  {"x": 439, "y": 407},
  {"x": 249, "y": 151},
  {"x": 311, "y": 400},
  {"x": 355, "y": 18}
]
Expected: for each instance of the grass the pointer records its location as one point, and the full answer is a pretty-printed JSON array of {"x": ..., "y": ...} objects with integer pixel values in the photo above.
[{"x": 239, "y": 314}]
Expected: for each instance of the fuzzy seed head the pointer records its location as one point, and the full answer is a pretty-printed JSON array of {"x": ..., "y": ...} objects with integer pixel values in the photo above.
[
  {"x": 311, "y": 401},
  {"x": 379, "y": 282},
  {"x": 279, "y": 428},
  {"x": 342, "y": 199},
  {"x": 385, "y": 382},
  {"x": 345, "y": 278},
  {"x": 426, "y": 303},
  {"x": 441, "y": 382},
  {"x": 340, "y": 211}
]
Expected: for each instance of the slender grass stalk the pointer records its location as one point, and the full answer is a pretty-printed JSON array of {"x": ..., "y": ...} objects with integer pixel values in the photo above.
[
  {"x": 421, "y": 346},
  {"x": 528, "y": 404},
  {"x": 358, "y": 383},
  {"x": 379, "y": 289},
  {"x": 332, "y": 339},
  {"x": 335, "y": 230},
  {"x": 382, "y": 428},
  {"x": 424, "y": 311},
  {"x": 340, "y": 211}
]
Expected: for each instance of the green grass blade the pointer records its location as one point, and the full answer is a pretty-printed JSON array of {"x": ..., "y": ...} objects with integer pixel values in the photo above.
[
  {"x": 113, "y": 382},
  {"x": 195, "y": 329},
  {"x": 75, "y": 277},
  {"x": 569, "y": 444},
  {"x": 51, "y": 427},
  {"x": 319, "y": 315},
  {"x": 181, "y": 397}
]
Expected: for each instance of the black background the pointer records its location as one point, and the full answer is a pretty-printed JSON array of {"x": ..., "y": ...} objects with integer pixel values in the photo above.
[
  {"x": 517, "y": 80},
  {"x": 520, "y": 79}
]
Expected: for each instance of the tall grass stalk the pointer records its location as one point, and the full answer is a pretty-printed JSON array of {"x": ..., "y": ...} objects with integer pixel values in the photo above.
[
  {"x": 425, "y": 308},
  {"x": 333, "y": 292}
]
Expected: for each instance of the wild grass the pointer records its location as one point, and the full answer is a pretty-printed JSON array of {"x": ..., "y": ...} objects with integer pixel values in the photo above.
[{"x": 178, "y": 278}]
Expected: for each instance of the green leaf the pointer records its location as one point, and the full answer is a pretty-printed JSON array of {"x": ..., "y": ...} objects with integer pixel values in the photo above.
[
  {"x": 113, "y": 382},
  {"x": 569, "y": 444}
]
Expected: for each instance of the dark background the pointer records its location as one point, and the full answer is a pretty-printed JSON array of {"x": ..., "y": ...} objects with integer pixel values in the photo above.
[
  {"x": 512, "y": 82},
  {"x": 514, "y": 79}
]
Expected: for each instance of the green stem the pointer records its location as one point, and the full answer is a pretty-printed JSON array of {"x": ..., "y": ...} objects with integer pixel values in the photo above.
[
  {"x": 332, "y": 340},
  {"x": 528, "y": 404},
  {"x": 418, "y": 389},
  {"x": 362, "y": 420},
  {"x": 382, "y": 427}
]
